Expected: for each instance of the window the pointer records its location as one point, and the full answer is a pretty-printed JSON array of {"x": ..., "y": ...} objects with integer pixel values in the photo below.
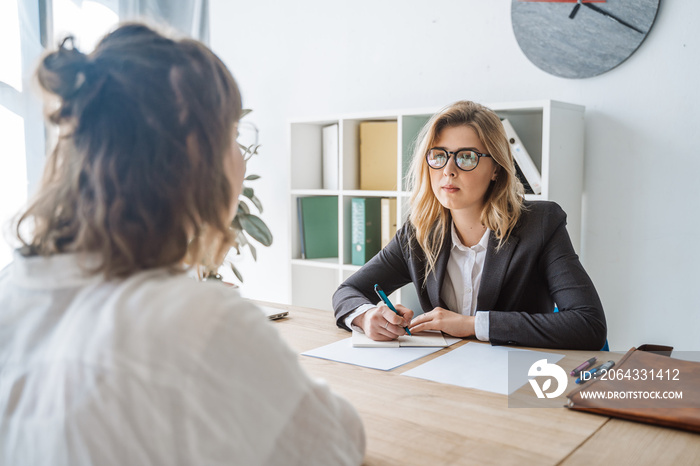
[
  {"x": 26, "y": 27},
  {"x": 13, "y": 165},
  {"x": 88, "y": 21},
  {"x": 21, "y": 122}
]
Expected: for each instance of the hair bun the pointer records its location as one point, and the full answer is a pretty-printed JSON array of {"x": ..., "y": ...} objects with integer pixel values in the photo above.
[{"x": 63, "y": 72}]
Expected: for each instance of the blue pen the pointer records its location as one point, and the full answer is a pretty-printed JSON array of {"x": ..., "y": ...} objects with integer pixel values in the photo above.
[
  {"x": 583, "y": 378},
  {"x": 382, "y": 295}
]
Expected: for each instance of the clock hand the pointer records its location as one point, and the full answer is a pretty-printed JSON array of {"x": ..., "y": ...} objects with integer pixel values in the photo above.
[
  {"x": 605, "y": 13},
  {"x": 575, "y": 10}
]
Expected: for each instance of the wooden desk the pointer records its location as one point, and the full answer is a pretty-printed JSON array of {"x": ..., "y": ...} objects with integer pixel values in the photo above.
[{"x": 411, "y": 421}]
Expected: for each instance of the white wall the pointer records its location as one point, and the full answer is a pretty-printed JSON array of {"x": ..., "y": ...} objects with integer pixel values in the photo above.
[{"x": 641, "y": 231}]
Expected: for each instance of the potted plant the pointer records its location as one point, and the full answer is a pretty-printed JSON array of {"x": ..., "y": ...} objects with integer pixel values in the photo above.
[{"x": 246, "y": 225}]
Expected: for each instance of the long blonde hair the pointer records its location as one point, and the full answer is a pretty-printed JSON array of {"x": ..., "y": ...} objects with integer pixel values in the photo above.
[
  {"x": 137, "y": 176},
  {"x": 503, "y": 201}
]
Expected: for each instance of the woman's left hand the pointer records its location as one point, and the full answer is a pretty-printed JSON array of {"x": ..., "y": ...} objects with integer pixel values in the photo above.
[{"x": 446, "y": 321}]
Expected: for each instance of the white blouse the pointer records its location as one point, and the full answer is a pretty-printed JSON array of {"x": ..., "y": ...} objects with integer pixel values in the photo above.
[
  {"x": 154, "y": 369},
  {"x": 463, "y": 279}
]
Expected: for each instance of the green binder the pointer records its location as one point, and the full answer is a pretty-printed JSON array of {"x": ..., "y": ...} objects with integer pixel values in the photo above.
[
  {"x": 318, "y": 226},
  {"x": 366, "y": 228}
]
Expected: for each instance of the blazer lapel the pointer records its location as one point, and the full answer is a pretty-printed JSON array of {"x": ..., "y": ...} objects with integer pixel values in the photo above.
[{"x": 495, "y": 267}]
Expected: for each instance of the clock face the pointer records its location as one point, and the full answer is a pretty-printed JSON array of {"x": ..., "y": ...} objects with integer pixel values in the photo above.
[{"x": 573, "y": 40}]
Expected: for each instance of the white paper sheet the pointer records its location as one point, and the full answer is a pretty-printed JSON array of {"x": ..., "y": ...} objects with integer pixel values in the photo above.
[
  {"x": 383, "y": 359},
  {"x": 479, "y": 366},
  {"x": 429, "y": 338}
]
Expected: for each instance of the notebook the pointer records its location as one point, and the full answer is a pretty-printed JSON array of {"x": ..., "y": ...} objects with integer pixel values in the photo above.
[{"x": 423, "y": 339}]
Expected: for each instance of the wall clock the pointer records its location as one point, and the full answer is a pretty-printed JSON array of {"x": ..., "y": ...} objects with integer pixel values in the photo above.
[{"x": 581, "y": 38}]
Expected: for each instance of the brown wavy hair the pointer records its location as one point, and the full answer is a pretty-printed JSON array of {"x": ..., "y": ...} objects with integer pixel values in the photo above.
[
  {"x": 503, "y": 201},
  {"x": 137, "y": 175}
]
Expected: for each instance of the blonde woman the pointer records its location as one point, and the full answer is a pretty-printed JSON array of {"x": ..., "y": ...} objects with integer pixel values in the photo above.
[
  {"x": 485, "y": 263},
  {"x": 109, "y": 353}
]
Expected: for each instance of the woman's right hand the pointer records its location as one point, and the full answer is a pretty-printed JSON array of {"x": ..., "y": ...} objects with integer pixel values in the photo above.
[{"x": 381, "y": 324}]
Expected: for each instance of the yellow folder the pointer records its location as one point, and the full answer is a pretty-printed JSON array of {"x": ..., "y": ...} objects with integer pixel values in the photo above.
[{"x": 378, "y": 155}]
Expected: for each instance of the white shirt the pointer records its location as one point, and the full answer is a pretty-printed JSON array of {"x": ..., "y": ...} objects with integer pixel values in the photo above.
[
  {"x": 461, "y": 285},
  {"x": 460, "y": 288},
  {"x": 154, "y": 369}
]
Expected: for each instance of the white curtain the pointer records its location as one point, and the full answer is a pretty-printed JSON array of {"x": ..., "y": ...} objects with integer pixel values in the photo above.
[{"x": 189, "y": 17}]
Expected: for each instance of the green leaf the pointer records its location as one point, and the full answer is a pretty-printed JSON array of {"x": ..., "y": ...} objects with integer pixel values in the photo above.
[
  {"x": 237, "y": 273},
  {"x": 246, "y": 151},
  {"x": 252, "y": 177},
  {"x": 253, "y": 252},
  {"x": 256, "y": 228},
  {"x": 257, "y": 203},
  {"x": 243, "y": 208},
  {"x": 248, "y": 192},
  {"x": 249, "y": 151},
  {"x": 245, "y": 111},
  {"x": 242, "y": 240}
]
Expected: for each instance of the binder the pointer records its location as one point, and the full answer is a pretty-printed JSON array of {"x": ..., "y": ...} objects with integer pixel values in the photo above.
[
  {"x": 388, "y": 220},
  {"x": 378, "y": 155},
  {"x": 365, "y": 227},
  {"x": 300, "y": 222},
  {"x": 521, "y": 176},
  {"x": 318, "y": 226},
  {"x": 524, "y": 164},
  {"x": 330, "y": 156}
]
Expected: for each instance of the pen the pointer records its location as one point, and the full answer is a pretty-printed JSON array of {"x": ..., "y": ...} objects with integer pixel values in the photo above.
[
  {"x": 382, "y": 295},
  {"x": 584, "y": 365},
  {"x": 595, "y": 372}
]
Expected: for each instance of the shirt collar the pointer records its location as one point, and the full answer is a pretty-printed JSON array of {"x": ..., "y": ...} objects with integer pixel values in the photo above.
[
  {"x": 480, "y": 246},
  {"x": 57, "y": 271}
]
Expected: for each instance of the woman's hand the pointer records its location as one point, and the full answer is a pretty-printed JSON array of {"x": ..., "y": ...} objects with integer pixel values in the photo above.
[
  {"x": 446, "y": 321},
  {"x": 381, "y": 324}
]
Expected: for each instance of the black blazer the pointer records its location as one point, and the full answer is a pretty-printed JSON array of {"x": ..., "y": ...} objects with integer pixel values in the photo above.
[{"x": 520, "y": 283}]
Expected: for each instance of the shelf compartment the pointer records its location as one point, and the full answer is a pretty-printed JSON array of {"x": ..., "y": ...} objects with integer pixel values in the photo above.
[
  {"x": 295, "y": 233},
  {"x": 306, "y": 141},
  {"x": 350, "y": 151},
  {"x": 409, "y": 130}
]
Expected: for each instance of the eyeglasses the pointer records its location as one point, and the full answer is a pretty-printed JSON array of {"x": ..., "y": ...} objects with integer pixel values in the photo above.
[{"x": 465, "y": 159}]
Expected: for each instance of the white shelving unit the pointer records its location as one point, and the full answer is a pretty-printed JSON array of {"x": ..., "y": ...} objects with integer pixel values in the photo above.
[{"x": 551, "y": 131}]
